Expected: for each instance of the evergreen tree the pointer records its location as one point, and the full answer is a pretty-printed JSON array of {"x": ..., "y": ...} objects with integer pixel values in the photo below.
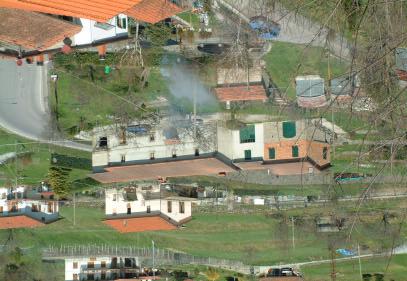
[{"x": 58, "y": 179}]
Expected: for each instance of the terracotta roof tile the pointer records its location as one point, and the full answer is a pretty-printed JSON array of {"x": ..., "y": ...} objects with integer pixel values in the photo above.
[
  {"x": 99, "y": 10},
  {"x": 32, "y": 30},
  {"x": 153, "y": 11},
  {"x": 140, "y": 224},
  {"x": 241, "y": 93},
  {"x": 18, "y": 222}
]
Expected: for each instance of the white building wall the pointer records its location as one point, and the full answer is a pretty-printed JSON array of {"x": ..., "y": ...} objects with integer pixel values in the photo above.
[
  {"x": 175, "y": 213},
  {"x": 117, "y": 205},
  {"x": 24, "y": 207},
  {"x": 91, "y": 33},
  {"x": 229, "y": 143},
  {"x": 82, "y": 264}
]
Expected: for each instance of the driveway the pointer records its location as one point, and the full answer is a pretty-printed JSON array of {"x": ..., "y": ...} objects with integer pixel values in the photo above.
[
  {"x": 295, "y": 28},
  {"x": 24, "y": 106}
]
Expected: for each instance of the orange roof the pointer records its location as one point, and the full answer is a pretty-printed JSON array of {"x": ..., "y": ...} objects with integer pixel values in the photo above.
[
  {"x": 32, "y": 30},
  {"x": 18, "y": 222},
  {"x": 153, "y": 11},
  {"x": 140, "y": 224},
  {"x": 98, "y": 10},
  {"x": 241, "y": 93}
]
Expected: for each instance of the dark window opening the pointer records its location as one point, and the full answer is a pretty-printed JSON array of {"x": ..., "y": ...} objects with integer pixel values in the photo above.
[
  {"x": 294, "y": 151},
  {"x": 123, "y": 160},
  {"x": 196, "y": 152},
  {"x": 113, "y": 264},
  {"x": 169, "y": 207},
  {"x": 75, "y": 265},
  {"x": 103, "y": 142},
  {"x": 152, "y": 156},
  {"x": 127, "y": 262},
  {"x": 103, "y": 276},
  {"x": 90, "y": 276},
  {"x": 152, "y": 137},
  {"x": 103, "y": 264},
  {"x": 174, "y": 154},
  {"x": 182, "y": 207},
  {"x": 148, "y": 209},
  {"x": 91, "y": 264},
  {"x": 128, "y": 211}
]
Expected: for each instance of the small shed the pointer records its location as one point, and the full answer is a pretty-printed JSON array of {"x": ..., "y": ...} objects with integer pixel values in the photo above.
[
  {"x": 401, "y": 59},
  {"x": 310, "y": 90}
]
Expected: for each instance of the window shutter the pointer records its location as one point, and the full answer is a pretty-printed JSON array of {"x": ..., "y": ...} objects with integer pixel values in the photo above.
[{"x": 289, "y": 129}]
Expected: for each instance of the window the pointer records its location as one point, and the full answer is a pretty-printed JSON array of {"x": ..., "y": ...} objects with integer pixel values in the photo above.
[
  {"x": 50, "y": 207},
  {"x": 325, "y": 153},
  {"x": 114, "y": 197},
  {"x": 248, "y": 154},
  {"x": 247, "y": 134},
  {"x": 123, "y": 158},
  {"x": 91, "y": 264},
  {"x": 169, "y": 206},
  {"x": 174, "y": 154},
  {"x": 118, "y": 22},
  {"x": 289, "y": 129},
  {"x": 272, "y": 153},
  {"x": 103, "y": 264},
  {"x": 103, "y": 276},
  {"x": 128, "y": 209},
  {"x": 124, "y": 23},
  {"x": 1, "y": 209},
  {"x": 152, "y": 137},
  {"x": 148, "y": 209},
  {"x": 75, "y": 277},
  {"x": 152, "y": 156},
  {"x": 196, "y": 152},
  {"x": 103, "y": 142},
  {"x": 181, "y": 207},
  {"x": 34, "y": 208},
  {"x": 90, "y": 276},
  {"x": 294, "y": 151},
  {"x": 75, "y": 265}
]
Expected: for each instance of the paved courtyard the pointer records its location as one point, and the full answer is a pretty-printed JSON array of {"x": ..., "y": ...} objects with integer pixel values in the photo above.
[
  {"x": 183, "y": 168},
  {"x": 283, "y": 169}
]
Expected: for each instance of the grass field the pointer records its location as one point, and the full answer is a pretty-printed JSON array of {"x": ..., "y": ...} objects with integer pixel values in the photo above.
[
  {"x": 285, "y": 61},
  {"x": 252, "y": 238},
  {"x": 349, "y": 270},
  {"x": 33, "y": 168}
]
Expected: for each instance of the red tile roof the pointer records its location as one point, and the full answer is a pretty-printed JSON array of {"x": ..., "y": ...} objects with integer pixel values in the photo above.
[
  {"x": 153, "y": 11},
  {"x": 18, "y": 222},
  {"x": 140, "y": 224},
  {"x": 32, "y": 30},
  {"x": 241, "y": 93},
  {"x": 98, "y": 10},
  {"x": 312, "y": 102}
]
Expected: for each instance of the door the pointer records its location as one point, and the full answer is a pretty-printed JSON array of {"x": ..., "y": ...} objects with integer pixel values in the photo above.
[{"x": 248, "y": 154}]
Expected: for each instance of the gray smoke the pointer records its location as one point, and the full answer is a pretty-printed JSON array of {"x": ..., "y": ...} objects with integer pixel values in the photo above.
[{"x": 183, "y": 81}]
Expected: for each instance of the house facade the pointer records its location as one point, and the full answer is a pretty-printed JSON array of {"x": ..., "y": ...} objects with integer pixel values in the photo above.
[
  {"x": 16, "y": 203},
  {"x": 131, "y": 202},
  {"x": 101, "y": 268},
  {"x": 275, "y": 142},
  {"x": 142, "y": 145}
]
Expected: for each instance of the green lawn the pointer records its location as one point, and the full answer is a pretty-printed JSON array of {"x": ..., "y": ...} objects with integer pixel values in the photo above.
[
  {"x": 253, "y": 238},
  {"x": 349, "y": 270},
  {"x": 33, "y": 168},
  {"x": 285, "y": 61}
]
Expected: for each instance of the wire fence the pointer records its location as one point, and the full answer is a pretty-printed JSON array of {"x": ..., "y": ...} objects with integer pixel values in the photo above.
[{"x": 145, "y": 256}]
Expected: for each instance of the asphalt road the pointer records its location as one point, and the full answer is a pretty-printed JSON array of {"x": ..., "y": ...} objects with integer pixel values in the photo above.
[{"x": 24, "y": 108}]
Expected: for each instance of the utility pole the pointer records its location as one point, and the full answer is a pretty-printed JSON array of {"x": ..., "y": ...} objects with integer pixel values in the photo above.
[
  {"x": 74, "y": 209},
  {"x": 293, "y": 232},
  {"x": 152, "y": 241},
  {"x": 15, "y": 164},
  {"x": 360, "y": 263}
]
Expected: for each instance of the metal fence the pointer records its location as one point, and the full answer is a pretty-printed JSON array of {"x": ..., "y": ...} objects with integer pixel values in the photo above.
[{"x": 145, "y": 256}]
